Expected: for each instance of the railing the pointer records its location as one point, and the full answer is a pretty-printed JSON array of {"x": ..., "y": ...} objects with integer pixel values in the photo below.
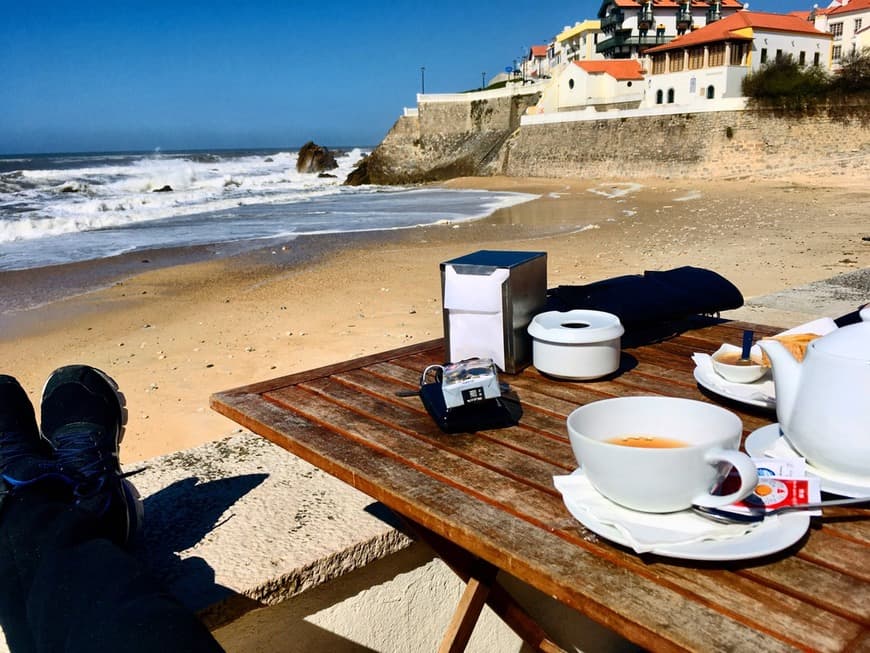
[{"x": 613, "y": 21}]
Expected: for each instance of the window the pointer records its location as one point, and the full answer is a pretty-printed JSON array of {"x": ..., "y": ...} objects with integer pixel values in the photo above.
[
  {"x": 658, "y": 64},
  {"x": 778, "y": 56},
  {"x": 858, "y": 23},
  {"x": 816, "y": 59},
  {"x": 716, "y": 55},
  {"x": 660, "y": 94},
  {"x": 670, "y": 96},
  {"x": 837, "y": 31},
  {"x": 571, "y": 83},
  {"x": 696, "y": 58},
  {"x": 676, "y": 62},
  {"x": 836, "y": 53},
  {"x": 711, "y": 92},
  {"x": 736, "y": 54},
  {"x": 802, "y": 58},
  {"x": 763, "y": 55}
]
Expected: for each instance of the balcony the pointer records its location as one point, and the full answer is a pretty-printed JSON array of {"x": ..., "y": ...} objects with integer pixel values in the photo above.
[
  {"x": 645, "y": 19},
  {"x": 684, "y": 20},
  {"x": 613, "y": 21},
  {"x": 625, "y": 43}
]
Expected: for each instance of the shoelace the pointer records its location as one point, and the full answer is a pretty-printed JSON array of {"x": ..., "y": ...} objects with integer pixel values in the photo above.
[{"x": 78, "y": 452}]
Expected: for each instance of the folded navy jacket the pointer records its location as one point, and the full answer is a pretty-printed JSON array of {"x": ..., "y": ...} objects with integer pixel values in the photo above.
[{"x": 646, "y": 300}]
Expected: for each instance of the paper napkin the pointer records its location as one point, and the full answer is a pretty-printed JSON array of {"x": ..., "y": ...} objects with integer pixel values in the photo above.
[{"x": 644, "y": 532}]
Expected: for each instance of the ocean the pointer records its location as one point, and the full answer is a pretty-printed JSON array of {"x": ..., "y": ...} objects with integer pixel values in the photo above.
[{"x": 57, "y": 209}]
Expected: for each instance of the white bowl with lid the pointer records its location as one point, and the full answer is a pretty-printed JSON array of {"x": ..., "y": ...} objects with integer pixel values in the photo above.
[{"x": 578, "y": 345}]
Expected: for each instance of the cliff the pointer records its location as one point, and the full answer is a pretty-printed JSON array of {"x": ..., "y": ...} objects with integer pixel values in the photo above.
[
  {"x": 484, "y": 137},
  {"x": 453, "y": 138}
]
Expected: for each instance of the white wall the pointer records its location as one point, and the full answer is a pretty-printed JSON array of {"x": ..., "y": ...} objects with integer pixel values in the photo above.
[{"x": 791, "y": 44}]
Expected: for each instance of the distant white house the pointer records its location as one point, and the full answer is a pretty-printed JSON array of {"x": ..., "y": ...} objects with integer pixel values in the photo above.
[
  {"x": 848, "y": 21},
  {"x": 537, "y": 63},
  {"x": 710, "y": 63},
  {"x": 599, "y": 84}
]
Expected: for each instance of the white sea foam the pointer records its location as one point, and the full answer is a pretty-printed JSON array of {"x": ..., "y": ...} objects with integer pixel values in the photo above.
[
  {"x": 78, "y": 208},
  {"x": 616, "y": 190}
]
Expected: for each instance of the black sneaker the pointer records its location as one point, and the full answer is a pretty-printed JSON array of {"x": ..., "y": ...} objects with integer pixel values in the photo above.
[
  {"x": 24, "y": 457},
  {"x": 83, "y": 417}
]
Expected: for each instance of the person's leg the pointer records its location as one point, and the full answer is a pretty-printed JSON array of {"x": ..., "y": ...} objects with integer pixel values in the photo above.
[
  {"x": 74, "y": 592},
  {"x": 65, "y": 584},
  {"x": 26, "y": 469}
]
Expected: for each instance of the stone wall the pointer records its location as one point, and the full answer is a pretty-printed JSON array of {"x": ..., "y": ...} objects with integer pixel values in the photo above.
[
  {"x": 484, "y": 137},
  {"x": 728, "y": 144}
]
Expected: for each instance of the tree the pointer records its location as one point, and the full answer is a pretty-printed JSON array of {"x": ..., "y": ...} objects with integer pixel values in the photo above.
[{"x": 854, "y": 73}]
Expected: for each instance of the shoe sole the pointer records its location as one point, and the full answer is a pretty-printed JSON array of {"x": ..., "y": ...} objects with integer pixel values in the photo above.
[{"x": 120, "y": 398}]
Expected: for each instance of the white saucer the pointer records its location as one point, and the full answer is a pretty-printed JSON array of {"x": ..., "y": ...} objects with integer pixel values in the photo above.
[
  {"x": 760, "y": 440},
  {"x": 737, "y": 391},
  {"x": 770, "y": 536}
]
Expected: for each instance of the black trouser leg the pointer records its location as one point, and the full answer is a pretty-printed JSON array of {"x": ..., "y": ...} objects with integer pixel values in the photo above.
[{"x": 74, "y": 592}]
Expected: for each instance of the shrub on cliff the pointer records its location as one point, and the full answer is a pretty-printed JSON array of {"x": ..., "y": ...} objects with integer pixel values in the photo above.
[{"x": 785, "y": 84}]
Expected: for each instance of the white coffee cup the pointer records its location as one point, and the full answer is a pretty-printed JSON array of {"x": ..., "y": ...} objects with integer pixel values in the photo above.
[{"x": 660, "y": 479}]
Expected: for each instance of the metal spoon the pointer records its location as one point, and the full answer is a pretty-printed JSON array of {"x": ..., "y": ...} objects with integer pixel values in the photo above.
[
  {"x": 725, "y": 516},
  {"x": 747, "y": 345}
]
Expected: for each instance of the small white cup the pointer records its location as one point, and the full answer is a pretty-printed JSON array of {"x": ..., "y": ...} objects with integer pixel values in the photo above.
[{"x": 660, "y": 479}]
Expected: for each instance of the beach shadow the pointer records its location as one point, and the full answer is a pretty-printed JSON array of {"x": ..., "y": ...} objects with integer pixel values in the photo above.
[{"x": 176, "y": 518}]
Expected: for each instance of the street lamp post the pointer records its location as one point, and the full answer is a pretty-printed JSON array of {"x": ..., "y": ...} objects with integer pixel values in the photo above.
[
  {"x": 423, "y": 80},
  {"x": 482, "y": 81}
]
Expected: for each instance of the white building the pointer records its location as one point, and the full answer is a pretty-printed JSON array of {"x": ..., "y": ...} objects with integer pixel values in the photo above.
[
  {"x": 632, "y": 26},
  {"x": 577, "y": 42},
  {"x": 848, "y": 21},
  {"x": 710, "y": 63},
  {"x": 597, "y": 84}
]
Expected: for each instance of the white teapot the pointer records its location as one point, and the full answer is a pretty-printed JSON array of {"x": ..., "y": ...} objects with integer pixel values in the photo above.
[{"x": 823, "y": 403}]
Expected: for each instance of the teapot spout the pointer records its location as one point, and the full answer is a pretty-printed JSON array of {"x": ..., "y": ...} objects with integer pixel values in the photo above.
[{"x": 786, "y": 378}]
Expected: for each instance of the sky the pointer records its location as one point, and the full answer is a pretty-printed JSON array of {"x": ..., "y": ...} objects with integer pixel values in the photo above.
[{"x": 115, "y": 76}]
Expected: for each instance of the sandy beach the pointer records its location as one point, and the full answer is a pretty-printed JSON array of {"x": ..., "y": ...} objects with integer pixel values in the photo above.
[{"x": 172, "y": 329}]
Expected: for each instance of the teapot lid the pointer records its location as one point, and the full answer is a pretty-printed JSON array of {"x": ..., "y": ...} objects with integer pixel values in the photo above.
[{"x": 851, "y": 341}]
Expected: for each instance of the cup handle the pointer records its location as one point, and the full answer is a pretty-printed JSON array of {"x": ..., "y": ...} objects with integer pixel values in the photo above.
[{"x": 745, "y": 468}]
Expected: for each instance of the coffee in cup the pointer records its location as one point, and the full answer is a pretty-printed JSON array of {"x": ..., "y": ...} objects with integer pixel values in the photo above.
[{"x": 660, "y": 454}]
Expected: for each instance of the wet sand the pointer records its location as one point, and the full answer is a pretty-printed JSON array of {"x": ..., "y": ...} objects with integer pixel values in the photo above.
[{"x": 187, "y": 323}]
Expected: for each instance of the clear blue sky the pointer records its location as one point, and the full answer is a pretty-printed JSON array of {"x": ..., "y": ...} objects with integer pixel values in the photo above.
[{"x": 121, "y": 75}]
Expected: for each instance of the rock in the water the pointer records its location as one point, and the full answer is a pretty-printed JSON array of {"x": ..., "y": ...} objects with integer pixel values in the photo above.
[
  {"x": 315, "y": 158},
  {"x": 359, "y": 175},
  {"x": 163, "y": 189}
]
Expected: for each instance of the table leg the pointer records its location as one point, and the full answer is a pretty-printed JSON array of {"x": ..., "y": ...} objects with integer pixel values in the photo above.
[{"x": 481, "y": 588}]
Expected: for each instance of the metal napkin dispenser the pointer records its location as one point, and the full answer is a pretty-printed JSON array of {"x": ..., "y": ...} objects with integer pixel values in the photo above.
[{"x": 489, "y": 299}]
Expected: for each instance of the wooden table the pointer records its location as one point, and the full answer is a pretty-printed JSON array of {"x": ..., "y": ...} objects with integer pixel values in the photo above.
[{"x": 486, "y": 502}]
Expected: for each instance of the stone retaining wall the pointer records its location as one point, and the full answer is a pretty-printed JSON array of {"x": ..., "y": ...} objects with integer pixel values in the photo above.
[
  {"x": 484, "y": 137},
  {"x": 705, "y": 145}
]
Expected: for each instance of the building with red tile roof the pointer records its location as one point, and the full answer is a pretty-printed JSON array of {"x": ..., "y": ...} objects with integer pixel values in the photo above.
[
  {"x": 632, "y": 26},
  {"x": 620, "y": 69},
  {"x": 848, "y": 22},
  {"x": 599, "y": 84},
  {"x": 710, "y": 63}
]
